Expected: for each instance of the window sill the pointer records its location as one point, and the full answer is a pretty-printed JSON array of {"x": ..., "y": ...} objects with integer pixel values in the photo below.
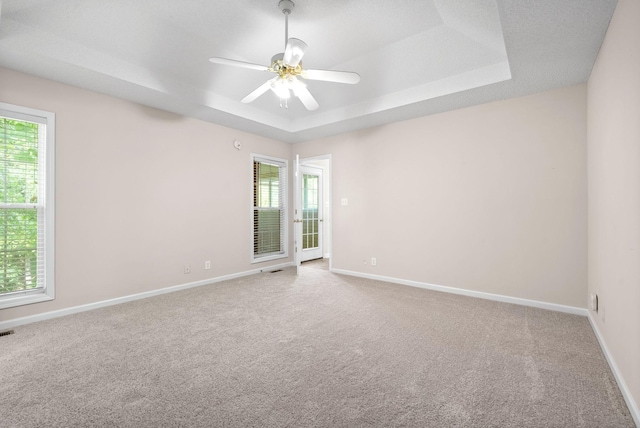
[
  {"x": 269, "y": 258},
  {"x": 26, "y": 299}
]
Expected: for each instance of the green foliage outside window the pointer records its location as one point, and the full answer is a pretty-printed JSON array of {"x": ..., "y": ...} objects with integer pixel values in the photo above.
[{"x": 18, "y": 213}]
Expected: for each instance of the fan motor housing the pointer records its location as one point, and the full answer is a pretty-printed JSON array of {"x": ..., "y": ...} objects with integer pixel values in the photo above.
[{"x": 277, "y": 57}]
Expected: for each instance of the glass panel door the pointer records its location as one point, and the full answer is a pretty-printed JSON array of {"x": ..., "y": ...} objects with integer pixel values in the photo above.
[{"x": 311, "y": 213}]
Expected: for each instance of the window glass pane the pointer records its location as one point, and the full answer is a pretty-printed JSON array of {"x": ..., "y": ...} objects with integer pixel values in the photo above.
[
  {"x": 19, "y": 255},
  {"x": 267, "y": 185},
  {"x": 310, "y": 219},
  {"x": 266, "y": 231},
  {"x": 19, "y": 165}
]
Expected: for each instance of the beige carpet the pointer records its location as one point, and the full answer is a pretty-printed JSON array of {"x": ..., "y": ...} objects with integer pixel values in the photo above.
[{"x": 276, "y": 350}]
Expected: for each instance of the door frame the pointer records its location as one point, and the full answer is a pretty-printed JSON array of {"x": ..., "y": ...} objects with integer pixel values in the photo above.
[{"x": 328, "y": 208}]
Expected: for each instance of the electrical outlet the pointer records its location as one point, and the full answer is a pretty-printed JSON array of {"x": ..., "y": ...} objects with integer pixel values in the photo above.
[
  {"x": 373, "y": 261},
  {"x": 207, "y": 264},
  {"x": 187, "y": 269}
]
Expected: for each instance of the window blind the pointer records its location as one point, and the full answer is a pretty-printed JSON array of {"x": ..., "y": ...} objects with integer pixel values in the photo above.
[{"x": 269, "y": 207}]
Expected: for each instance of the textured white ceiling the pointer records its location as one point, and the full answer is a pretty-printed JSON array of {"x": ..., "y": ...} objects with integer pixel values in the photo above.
[{"x": 415, "y": 57}]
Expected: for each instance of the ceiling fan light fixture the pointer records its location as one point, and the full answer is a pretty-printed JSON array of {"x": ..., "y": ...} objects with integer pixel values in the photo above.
[
  {"x": 293, "y": 52},
  {"x": 281, "y": 88},
  {"x": 288, "y": 66}
]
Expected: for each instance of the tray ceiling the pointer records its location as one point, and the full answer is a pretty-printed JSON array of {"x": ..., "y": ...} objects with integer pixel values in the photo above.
[{"x": 415, "y": 57}]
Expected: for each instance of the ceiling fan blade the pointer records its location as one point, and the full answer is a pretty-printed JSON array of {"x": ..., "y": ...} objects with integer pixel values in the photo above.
[
  {"x": 300, "y": 90},
  {"x": 332, "y": 76},
  {"x": 259, "y": 91},
  {"x": 294, "y": 52},
  {"x": 242, "y": 64}
]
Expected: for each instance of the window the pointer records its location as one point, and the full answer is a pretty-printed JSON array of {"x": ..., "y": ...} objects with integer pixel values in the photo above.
[
  {"x": 269, "y": 208},
  {"x": 26, "y": 205}
]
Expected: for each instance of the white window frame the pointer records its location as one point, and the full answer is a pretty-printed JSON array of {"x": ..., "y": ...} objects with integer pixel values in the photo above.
[
  {"x": 47, "y": 203},
  {"x": 284, "y": 197}
]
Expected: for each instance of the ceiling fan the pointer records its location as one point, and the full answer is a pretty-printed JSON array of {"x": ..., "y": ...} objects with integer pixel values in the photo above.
[{"x": 288, "y": 67}]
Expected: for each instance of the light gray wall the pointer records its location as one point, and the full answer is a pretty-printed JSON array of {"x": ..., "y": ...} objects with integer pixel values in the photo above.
[
  {"x": 614, "y": 191},
  {"x": 139, "y": 194},
  {"x": 490, "y": 198}
]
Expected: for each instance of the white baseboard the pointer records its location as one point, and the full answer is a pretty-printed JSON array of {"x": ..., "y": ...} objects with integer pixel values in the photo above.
[
  {"x": 624, "y": 389},
  {"x": 470, "y": 293},
  {"x": 90, "y": 306}
]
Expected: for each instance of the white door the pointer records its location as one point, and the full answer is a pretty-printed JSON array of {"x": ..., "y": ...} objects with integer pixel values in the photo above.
[{"x": 311, "y": 204}]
